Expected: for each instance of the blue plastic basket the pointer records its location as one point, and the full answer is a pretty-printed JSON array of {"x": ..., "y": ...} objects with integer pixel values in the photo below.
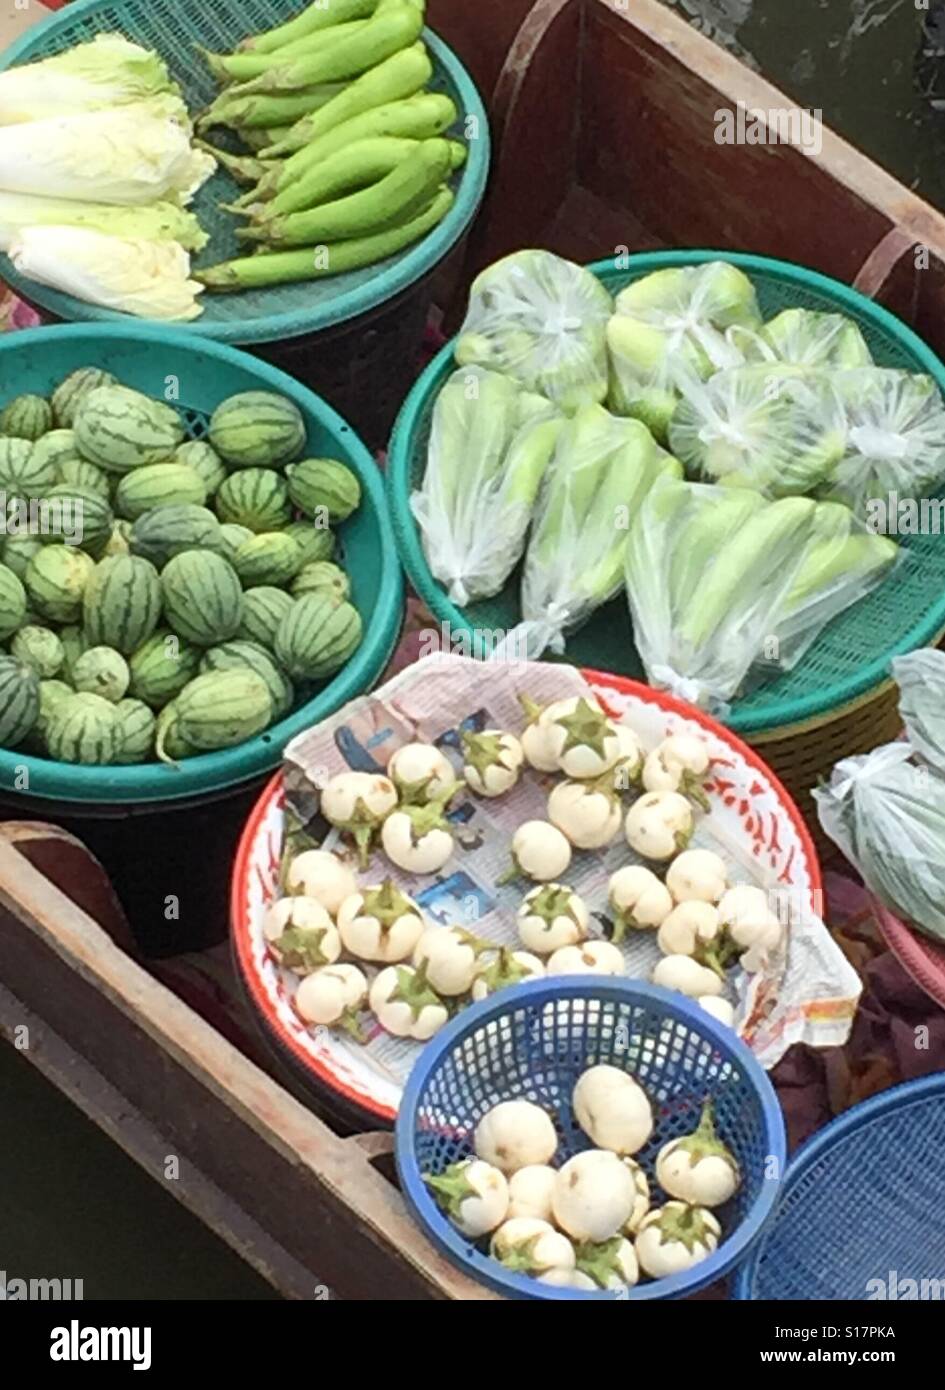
[
  {"x": 173, "y": 29},
  {"x": 152, "y": 359},
  {"x": 533, "y": 1042},
  {"x": 861, "y": 1206}
]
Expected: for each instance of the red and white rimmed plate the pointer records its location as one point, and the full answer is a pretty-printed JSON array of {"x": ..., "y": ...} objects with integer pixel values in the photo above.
[{"x": 749, "y": 806}]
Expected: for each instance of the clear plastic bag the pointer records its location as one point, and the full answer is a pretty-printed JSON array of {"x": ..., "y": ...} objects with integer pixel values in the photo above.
[
  {"x": 673, "y": 321},
  {"x": 920, "y": 677},
  {"x": 602, "y": 468},
  {"x": 707, "y": 572},
  {"x": 767, "y": 426},
  {"x": 490, "y": 444},
  {"x": 886, "y": 813},
  {"x": 805, "y": 338},
  {"x": 540, "y": 319},
  {"x": 895, "y": 437}
]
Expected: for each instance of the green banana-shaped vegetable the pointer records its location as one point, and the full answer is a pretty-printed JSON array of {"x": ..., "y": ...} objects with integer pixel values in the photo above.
[
  {"x": 703, "y": 538},
  {"x": 389, "y": 30},
  {"x": 318, "y": 15}
]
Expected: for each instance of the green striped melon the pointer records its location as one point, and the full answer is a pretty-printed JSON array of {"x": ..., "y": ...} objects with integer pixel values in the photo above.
[
  {"x": 161, "y": 667},
  {"x": 160, "y": 535},
  {"x": 83, "y": 729},
  {"x": 22, "y": 473},
  {"x": 255, "y": 497},
  {"x": 40, "y": 649},
  {"x": 119, "y": 542},
  {"x": 70, "y": 391},
  {"x": 251, "y": 656},
  {"x": 77, "y": 516},
  {"x": 51, "y": 694},
  {"x": 120, "y": 429},
  {"x": 55, "y": 446},
  {"x": 19, "y": 701},
  {"x": 317, "y": 636},
  {"x": 74, "y": 643},
  {"x": 18, "y": 551},
  {"x": 271, "y": 558},
  {"x": 263, "y": 610},
  {"x": 12, "y": 602},
  {"x": 136, "y": 728},
  {"x": 321, "y": 576},
  {"x": 169, "y": 743},
  {"x": 122, "y": 603},
  {"x": 203, "y": 600},
  {"x": 324, "y": 487},
  {"x": 316, "y": 542},
  {"x": 205, "y": 461},
  {"x": 26, "y": 417},
  {"x": 158, "y": 485},
  {"x": 221, "y": 709},
  {"x": 102, "y": 671},
  {"x": 232, "y": 537},
  {"x": 56, "y": 580},
  {"x": 257, "y": 429},
  {"x": 78, "y": 472}
]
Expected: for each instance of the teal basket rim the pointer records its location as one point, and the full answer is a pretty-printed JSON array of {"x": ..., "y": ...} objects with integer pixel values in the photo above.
[
  {"x": 213, "y": 772},
  {"x": 779, "y": 715},
  {"x": 407, "y": 267}
]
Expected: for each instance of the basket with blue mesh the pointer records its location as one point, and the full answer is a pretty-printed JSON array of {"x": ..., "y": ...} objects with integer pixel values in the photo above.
[
  {"x": 839, "y": 699},
  {"x": 533, "y": 1042},
  {"x": 355, "y": 337},
  {"x": 860, "y": 1215}
]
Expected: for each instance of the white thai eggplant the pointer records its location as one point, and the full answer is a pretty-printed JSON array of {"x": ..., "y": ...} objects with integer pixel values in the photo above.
[
  {"x": 492, "y": 762},
  {"x": 418, "y": 838},
  {"x": 536, "y": 739},
  {"x": 613, "y": 1110},
  {"x": 659, "y": 826},
  {"x": 674, "y": 1238},
  {"x": 318, "y": 874},
  {"x": 404, "y": 1003},
  {"x": 420, "y": 772},
  {"x": 589, "y": 814},
  {"x": 473, "y": 1194},
  {"x": 528, "y": 1246},
  {"x": 719, "y": 1008},
  {"x": 358, "y": 803},
  {"x": 754, "y": 931},
  {"x": 301, "y": 934},
  {"x": 539, "y": 852},
  {"x": 584, "y": 740},
  {"x": 697, "y": 875},
  {"x": 686, "y": 975},
  {"x": 679, "y": 764},
  {"x": 612, "y": 1264},
  {"x": 638, "y": 900},
  {"x": 515, "y": 1134},
  {"x": 332, "y": 998},
  {"x": 552, "y": 916},
  {"x": 628, "y": 769},
  {"x": 591, "y": 958},
  {"x": 693, "y": 929},
  {"x": 593, "y": 1196},
  {"x": 641, "y": 1204},
  {"x": 450, "y": 958},
  {"x": 380, "y": 923},
  {"x": 507, "y": 968},
  {"x": 568, "y": 1279},
  {"x": 698, "y": 1168},
  {"x": 530, "y": 1191}
]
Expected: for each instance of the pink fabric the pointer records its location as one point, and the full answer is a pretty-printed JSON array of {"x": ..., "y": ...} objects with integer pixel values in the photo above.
[{"x": 14, "y": 313}]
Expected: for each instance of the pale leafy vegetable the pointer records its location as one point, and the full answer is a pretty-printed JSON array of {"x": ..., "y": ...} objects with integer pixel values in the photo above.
[
  {"x": 154, "y": 222},
  {"x": 109, "y": 71}
]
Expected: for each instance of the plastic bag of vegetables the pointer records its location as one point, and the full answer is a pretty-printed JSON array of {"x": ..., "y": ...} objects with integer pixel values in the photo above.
[
  {"x": 489, "y": 447},
  {"x": 540, "y": 319},
  {"x": 920, "y": 677},
  {"x": 708, "y": 570},
  {"x": 895, "y": 436},
  {"x": 886, "y": 813},
  {"x": 675, "y": 321},
  {"x": 601, "y": 470},
  {"x": 805, "y": 338},
  {"x": 766, "y": 426}
]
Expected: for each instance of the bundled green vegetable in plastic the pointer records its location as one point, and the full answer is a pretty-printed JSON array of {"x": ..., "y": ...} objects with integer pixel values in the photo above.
[
  {"x": 707, "y": 571},
  {"x": 602, "y": 469},
  {"x": 675, "y": 320},
  {"x": 894, "y": 437},
  {"x": 805, "y": 338},
  {"x": 540, "y": 320},
  {"x": 490, "y": 445},
  {"x": 920, "y": 677},
  {"x": 886, "y": 813},
  {"x": 768, "y": 427}
]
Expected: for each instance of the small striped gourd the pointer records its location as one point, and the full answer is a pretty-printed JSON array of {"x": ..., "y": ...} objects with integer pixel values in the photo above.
[
  {"x": 102, "y": 671},
  {"x": 21, "y": 473},
  {"x": 161, "y": 667},
  {"x": 12, "y": 602},
  {"x": 317, "y": 636},
  {"x": 239, "y": 655},
  {"x": 160, "y": 535},
  {"x": 56, "y": 579},
  {"x": 26, "y": 417},
  {"x": 83, "y": 729},
  {"x": 255, "y": 497},
  {"x": 72, "y": 389},
  {"x": 120, "y": 429},
  {"x": 316, "y": 542},
  {"x": 205, "y": 461},
  {"x": 321, "y": 576},
  {"x": 221, "y": 709},
  {"x": 122, "y": 603},
  {"x": 324, "y": 487},
  {"x": 271, "y": 558},
  {"x": 19, "y": 701},
  {"x": 78, "y": 516},
  {"x": 158, "y": 485},
  {"x": 203, "y": 599},
  {"x": 40, "y": 649},
  {"x": 263, "y": 610},
  {"x": 136, "y": 729},
  {"x": 257, "y": 429}
]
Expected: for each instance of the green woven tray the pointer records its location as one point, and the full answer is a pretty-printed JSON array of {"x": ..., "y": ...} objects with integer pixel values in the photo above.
[
  {"x": 153, "y": 359},
  {"x": 172, "y": 28},
  {"x": 852, "y": 655}
]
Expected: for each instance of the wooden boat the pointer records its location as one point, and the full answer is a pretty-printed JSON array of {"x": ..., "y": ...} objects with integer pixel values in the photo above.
[{"x": 605, "y": 114}]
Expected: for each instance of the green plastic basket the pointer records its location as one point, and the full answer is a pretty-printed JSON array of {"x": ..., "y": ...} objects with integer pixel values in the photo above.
[
  {"x": 155, "y": 359},
  {"x": 172, "y": 28},
  {"x": 852, "y": 655}
]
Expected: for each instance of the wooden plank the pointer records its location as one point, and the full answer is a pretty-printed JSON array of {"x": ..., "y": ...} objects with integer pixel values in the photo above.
[
  {"x": 481, "y": 33},
  {"x": 317, "y": 1197}
]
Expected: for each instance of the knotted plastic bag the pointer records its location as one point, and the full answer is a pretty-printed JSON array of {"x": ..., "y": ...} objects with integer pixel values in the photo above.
[
  {"x": 540, "y": 319},
  {"x": 886, "y": 813},
  {"x": 920, "y": 677},
  {"x": 675, "y": 321},
  {"x": 490, "y": 444},
  {"x": 805, "y": 338}
]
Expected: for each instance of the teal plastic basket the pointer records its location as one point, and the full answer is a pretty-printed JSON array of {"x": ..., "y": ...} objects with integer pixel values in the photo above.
[
  {"x": 852, "y": 655},
  {"x": 203, "y": 374},
  {"x": 172, "y": 28}
]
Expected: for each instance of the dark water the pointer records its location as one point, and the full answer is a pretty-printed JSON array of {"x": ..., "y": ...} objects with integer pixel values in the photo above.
[{"x": 856, "y": 60}]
